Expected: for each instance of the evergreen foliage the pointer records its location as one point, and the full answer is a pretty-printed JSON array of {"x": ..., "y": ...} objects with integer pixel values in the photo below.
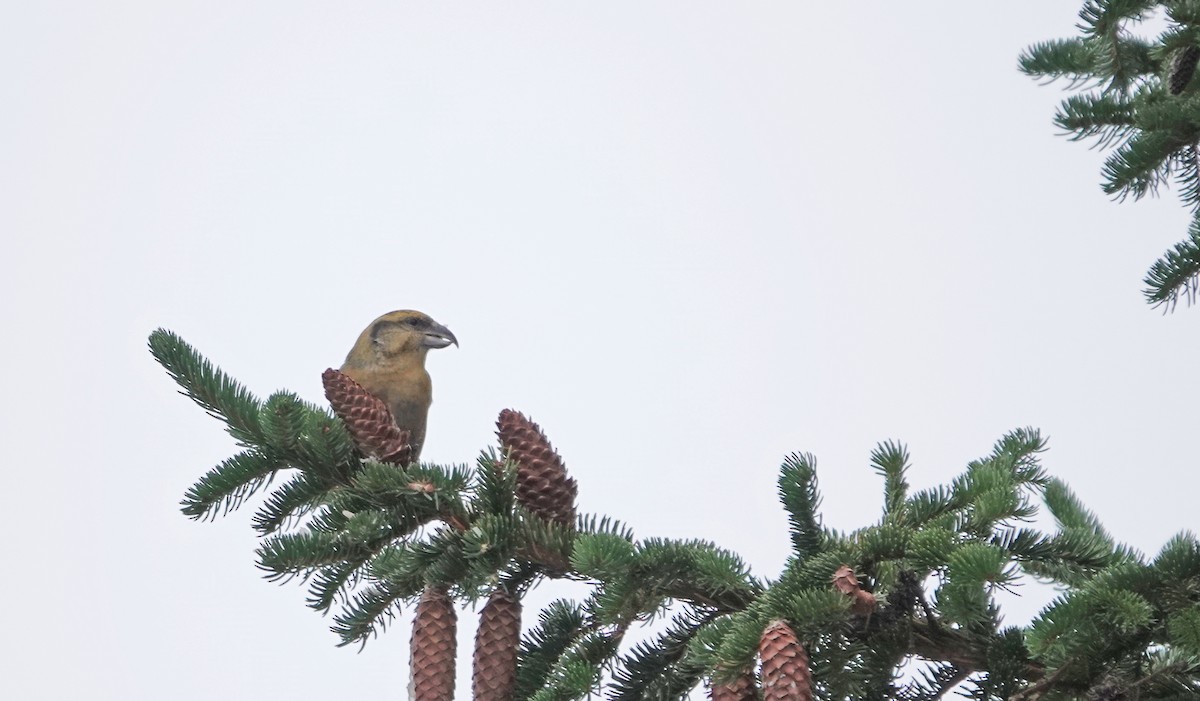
[
  {"x": 369, "y": 538},
  {"x": 1139, "y": 98}
]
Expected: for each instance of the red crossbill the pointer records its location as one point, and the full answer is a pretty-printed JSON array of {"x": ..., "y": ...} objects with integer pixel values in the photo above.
[{"x": 388, "y": 360}]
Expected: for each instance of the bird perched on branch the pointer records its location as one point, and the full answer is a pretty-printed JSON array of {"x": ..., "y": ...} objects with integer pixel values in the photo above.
[{"x": 388, "y": 360}]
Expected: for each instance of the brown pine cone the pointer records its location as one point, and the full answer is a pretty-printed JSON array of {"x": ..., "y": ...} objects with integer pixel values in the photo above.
[
  {"x": 742, "y": 688},
  {"x": 431, "y": 661},
  {"x": 543, "y": 486},
  {"x": 785, "y": 672},
  {"x": 496, "y": 643},
  {"x": 367, "y": 418},
  {"x": 845, "y": 581},
  {"x": 1183, "y": 67}
]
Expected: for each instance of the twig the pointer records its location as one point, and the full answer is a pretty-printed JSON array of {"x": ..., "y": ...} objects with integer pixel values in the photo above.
[{"x": 1035, "y": 691}]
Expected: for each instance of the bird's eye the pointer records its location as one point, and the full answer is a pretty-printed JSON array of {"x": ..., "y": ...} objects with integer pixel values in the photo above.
[{"x": 414, "y": 322}]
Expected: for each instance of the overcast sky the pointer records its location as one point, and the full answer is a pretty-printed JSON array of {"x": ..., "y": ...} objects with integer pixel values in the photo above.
[{"x": 687, "y": 238}]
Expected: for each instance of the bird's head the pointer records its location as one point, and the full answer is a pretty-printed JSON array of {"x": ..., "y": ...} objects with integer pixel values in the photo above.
[{"x": 399, "y": 333}]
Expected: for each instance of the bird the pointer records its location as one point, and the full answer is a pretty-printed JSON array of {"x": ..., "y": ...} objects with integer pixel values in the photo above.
[{"x": 388, "y": 360}]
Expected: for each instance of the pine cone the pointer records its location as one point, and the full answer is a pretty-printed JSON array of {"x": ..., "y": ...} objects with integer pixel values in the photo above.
[
  {"x": 543, "y": 486},
  {"x": 902, "y": 599},
  {"x": 845, "y": 581},
  {"x": 740, "y": 689},
  {"x": 431, "y": 662},
  {"x": 367, "y": 418},
  {"x": 785, "y": 673},
  {"x": 496, "y": 645},
  {"x": 1183, "y": 67}
]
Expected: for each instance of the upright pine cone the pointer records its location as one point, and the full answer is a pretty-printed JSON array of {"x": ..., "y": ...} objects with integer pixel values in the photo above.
[
  {"x": 740, "y": 689},
  {"x": 543, "y": 486},
  {"x": 431, "y": 661},
  {"x": 785, "y": 672},
  {"x": 496, "y": 645},
  {"x": 367, "y": 418},
  {"x": 1183, "y": 67}
]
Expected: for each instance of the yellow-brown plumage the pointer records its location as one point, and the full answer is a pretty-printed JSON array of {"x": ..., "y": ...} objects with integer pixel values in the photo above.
[{"x": 388, "y": 360}]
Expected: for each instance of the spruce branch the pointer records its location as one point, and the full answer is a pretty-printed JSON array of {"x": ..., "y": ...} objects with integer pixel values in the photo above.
[
  {"x": 1187, "y": 175},
  {"x": 734, "y": 649},
  {"x": 333, "y": 561},
  {"x": 417, "y": 494},
  {"x": 541, "y": 648},
  {"x": 933, "y": 682},
  {"x": 548, "y": 544},
  {"x": 890, "y": 460},
  {"x": 1141, "y": 164},
  {"x": 596, "y": 524},
  {"x": 204, "y": 383},
  {"x": 660, "y": 668},
  {"x": 1107, "y": 117},
  {"x": 226, "y": 487},
  {"x": 333, "y": 582},
  {"x": 1170, "y": 673},
  {"x": 578, "y": 670},
  {"x": 1176, "y": 276},
  {"x": 397, "y": 572},
  {"x": 1179, "y": 561},
  {"x": 800, "y": 496},
  {"x": 1075, "y": 60},
  {"x": 1038, "y": 689},
  {"x": 495, "y": 492},
  {"x": 1146, "y": 112},
  {"x": 289, "y": 502},
  {"x": 1122, "y": 58},
  {"x": 1106, "y": 18},
  {"x": 695, "y": 571},
  {"x": 369, "y": 537},
  {"x": 287, "y": 555},
  {"x": 1183, "y": 11}
]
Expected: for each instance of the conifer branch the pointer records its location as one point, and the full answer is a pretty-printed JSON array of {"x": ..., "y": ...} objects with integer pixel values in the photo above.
[
  {"x": 800, "y": 496},
  {"x": 1145, "y": 111},
  {"x": 848, "y": 608},
  {"x": 1176, "y": 276},
  {"x": 204, "y": 383},
  {"x": 558, "y": 624},
  {"x": 1074, "y": 59},
  {"x": 658, "y": 668},
  {"x": 226, "y": 487},
  {"x": 890, "y": 460}
]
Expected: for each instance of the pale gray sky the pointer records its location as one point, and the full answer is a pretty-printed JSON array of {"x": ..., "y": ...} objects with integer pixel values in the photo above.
[{"x": 687, "y": 238}]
